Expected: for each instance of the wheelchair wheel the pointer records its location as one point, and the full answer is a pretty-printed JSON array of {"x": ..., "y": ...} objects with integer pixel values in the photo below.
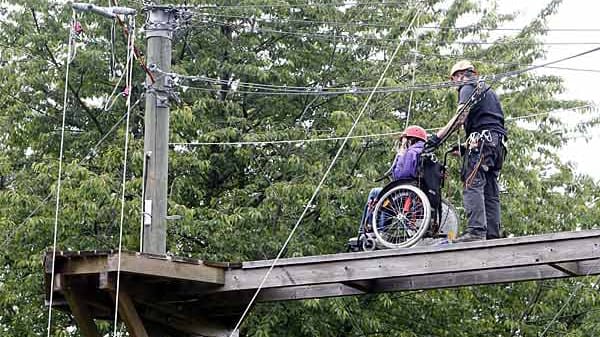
[{"x": 401, "y": 216}]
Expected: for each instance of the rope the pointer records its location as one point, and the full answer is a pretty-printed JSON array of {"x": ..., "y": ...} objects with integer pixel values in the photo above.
[
  {"x": 316, "y": 192},
  {"x": 110, "y": 101},
  {"x": 130, "y": 58},
  {"x": 60, "y": 159},
  {"x": 414, "y": 71}
]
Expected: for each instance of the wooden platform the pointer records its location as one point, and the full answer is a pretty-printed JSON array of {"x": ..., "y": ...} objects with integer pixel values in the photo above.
[{"x": 179, "y": 296}]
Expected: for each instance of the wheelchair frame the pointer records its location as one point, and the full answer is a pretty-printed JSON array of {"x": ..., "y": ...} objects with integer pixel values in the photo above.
[{"x": 402, "y": 216}]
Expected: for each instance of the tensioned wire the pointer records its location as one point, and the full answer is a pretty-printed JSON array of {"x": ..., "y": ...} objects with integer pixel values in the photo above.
[
  {"x": 414, "y": 71},
  {"x": 286, "y": 20},
  {"x": 375, "y": 135},
  {"x": 60, "y": 160},
  {"x": 299, "y": 5},
  {"x": 335, "y": 91},
  {"x": 130, "y": 59},
  {"x": 352, "y": 38},
  {"x": 322, "y": 181},
  {"x": 570, "y": 298}
]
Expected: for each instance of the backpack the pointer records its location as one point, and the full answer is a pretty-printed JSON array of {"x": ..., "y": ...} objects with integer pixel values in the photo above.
[{"x": 430, "y": 178}]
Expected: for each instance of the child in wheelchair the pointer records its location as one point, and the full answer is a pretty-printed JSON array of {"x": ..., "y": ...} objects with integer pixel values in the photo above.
[{"x": 399, "y": 214}]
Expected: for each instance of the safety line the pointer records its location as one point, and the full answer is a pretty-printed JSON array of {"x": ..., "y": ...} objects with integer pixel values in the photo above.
[
  {"x": 376, "y": 135},
  {"x": 139, "y": 56},
  {"x": 131, "y": 56},
  {"x": 318, "y": 188},
  {"x": 336, "y": 91},
  {"x": 60, "y": 160},
  {"x": 285, "y": 20},
  {"x": 326, "y": 37},
  {"x": 110, "y": 101},
  {"x": 414, "y": 71},
  {"x": 301, "y": 5},
  {"x": 571, "y": 296}
]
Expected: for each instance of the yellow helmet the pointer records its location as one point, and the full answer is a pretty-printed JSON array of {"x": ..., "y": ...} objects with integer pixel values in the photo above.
[{"x": 462, "y": 65}]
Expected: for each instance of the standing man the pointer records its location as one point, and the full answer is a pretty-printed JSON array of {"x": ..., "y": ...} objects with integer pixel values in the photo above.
[{"x": 480, "y": 112}]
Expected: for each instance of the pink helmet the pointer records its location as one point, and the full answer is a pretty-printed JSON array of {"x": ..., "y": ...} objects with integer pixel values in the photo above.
[{"x": 415, "y": 131}]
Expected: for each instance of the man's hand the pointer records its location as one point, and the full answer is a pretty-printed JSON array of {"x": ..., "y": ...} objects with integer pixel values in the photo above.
[{"x": 432, "y": 142}]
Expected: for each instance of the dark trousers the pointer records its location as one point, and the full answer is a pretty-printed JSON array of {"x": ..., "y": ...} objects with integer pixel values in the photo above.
[{"x": 481, "y": 168}]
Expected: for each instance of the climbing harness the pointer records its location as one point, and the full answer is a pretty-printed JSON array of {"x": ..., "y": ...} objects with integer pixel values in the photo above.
[{"x": 476, "y": 142}]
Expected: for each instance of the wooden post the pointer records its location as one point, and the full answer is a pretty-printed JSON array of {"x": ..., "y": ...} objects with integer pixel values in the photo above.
[
  {"x": 130, "y": 316},
  {"x": 80, "y": 311},
  {"x": 156, "y": 130}
]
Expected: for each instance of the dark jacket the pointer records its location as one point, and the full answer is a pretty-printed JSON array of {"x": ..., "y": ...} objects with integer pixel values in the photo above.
[{"x": 486, "y": 114}]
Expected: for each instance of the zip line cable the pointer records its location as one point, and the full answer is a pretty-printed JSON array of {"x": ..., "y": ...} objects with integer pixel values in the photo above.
[
  {"x": 321, "y": 182},
  {"x": 483, "y": 59},
  {"x": 479, "y": 58},
  {"x": 376, "y": 135},
  {"x": 572, "y": 295},
  {"x": 131, "y": 56},
  {"x": 301, "y": 5},
  {"x": 497, "y": 77},
  {"x": 414, "y": 70},
  {"x": 286, "y": 20},
  {"x": 319, "y": 90},
  {"x": 323, "y": 36},
  {"x": 60, "y": 159}
]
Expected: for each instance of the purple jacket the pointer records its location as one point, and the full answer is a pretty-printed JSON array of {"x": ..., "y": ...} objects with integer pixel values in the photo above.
[{"x": 405, "y": 166}]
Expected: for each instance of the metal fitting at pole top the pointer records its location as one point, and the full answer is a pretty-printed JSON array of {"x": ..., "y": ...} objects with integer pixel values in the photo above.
[{"x": 161, "y": 22}]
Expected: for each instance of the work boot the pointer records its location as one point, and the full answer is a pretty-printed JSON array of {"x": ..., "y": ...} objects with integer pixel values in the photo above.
[{"x": 469, "y": 237}]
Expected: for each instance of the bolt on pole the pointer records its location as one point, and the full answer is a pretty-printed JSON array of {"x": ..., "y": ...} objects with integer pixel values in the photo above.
[{"x": 159, "y": 32}]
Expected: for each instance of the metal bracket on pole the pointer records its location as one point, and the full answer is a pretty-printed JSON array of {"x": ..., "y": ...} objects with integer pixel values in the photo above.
[
  {"x": 162, "y": 101},
  {"x": 160, "y": 22}
]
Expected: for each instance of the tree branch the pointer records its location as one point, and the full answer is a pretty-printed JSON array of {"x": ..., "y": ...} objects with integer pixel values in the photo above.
[{"x": 87, "y": 111}]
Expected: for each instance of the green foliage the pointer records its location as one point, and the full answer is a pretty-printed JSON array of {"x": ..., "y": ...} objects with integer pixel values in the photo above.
[{"x": 240, "y": 202}]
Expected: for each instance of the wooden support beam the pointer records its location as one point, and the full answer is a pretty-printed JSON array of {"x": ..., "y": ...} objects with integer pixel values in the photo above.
[
  {"x": 457, "y": 258},
  {"x": 129, "y": 315},
  {"x": 142, "y": 264},
  {"x": 407, "y": 283},
  {"x": 193, "y": 323},
  {"x": 364, "y": 286},
  {"x": 81, "y": 312},
  {"x": 305, "y": 292},
  {"x": 569, "y": 268},
  {"x": 212, "y": 292}
]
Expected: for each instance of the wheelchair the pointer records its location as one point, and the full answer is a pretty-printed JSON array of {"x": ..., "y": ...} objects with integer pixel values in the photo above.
[{"x": 410, "y": 212}]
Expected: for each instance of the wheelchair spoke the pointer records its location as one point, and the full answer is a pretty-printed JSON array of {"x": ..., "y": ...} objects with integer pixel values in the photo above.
[{"x": 401, "y": 217}]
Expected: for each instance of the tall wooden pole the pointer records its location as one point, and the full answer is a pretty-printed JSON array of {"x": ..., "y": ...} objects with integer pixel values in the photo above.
[{"x": 156, "y": 137}]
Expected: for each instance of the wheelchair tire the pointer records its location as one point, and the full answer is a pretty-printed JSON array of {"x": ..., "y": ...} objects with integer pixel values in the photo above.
[
  {"x": 401, "y": 216},
  {"x": 368, "y": 244}
]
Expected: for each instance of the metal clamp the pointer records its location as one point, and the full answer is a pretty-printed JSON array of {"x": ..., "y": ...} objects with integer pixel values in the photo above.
[{"x": 162, "y": 101}]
